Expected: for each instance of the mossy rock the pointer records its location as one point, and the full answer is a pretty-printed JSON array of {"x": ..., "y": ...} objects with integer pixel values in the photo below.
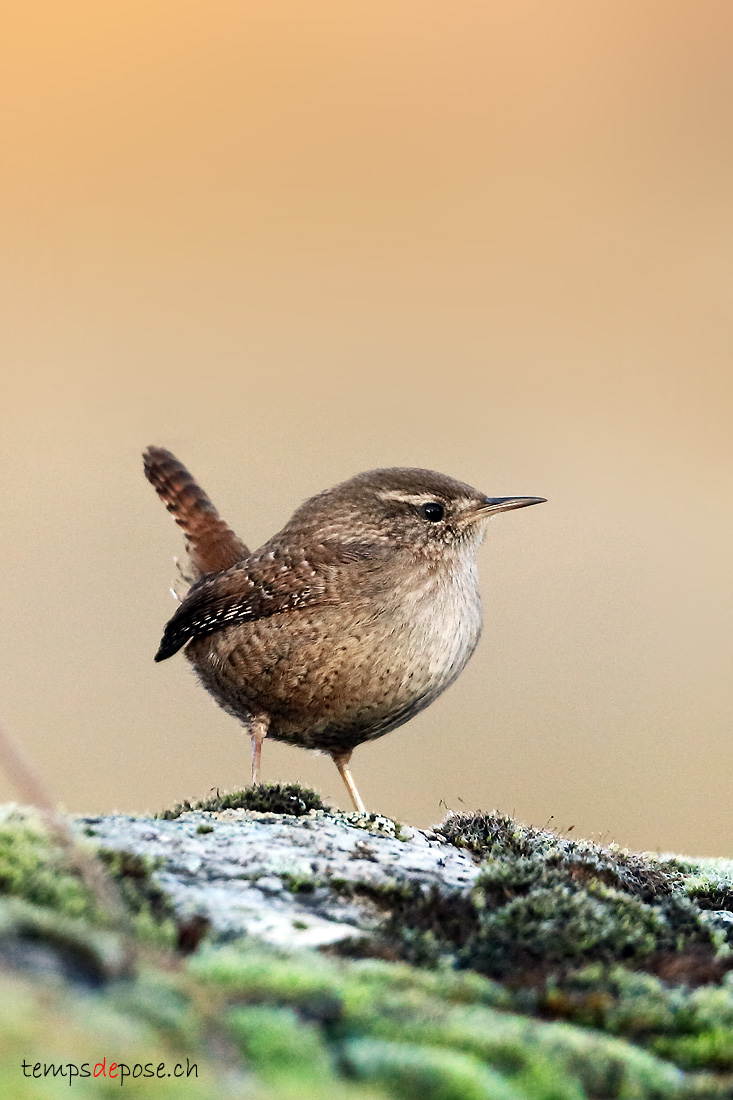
[{"x": 566, "y": 971}]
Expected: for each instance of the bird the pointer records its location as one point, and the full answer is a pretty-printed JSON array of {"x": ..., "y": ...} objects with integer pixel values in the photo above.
[{"x": 349, "y": 621}]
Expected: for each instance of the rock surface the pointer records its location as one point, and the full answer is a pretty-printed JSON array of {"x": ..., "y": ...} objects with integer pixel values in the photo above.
[{"x": 272, "y": 875}]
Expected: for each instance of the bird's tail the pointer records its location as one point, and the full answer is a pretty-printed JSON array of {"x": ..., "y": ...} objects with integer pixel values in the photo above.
[{"x": 211, "y": 543}]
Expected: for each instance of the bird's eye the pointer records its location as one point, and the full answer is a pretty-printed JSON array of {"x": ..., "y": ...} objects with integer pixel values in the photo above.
[{"x": 432, "y": 511}]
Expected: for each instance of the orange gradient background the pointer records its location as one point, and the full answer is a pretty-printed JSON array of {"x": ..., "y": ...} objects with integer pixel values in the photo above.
[{"x": 294, "y": 241}]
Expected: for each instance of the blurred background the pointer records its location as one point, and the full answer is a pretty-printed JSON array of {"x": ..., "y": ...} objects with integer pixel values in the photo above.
[{"x": 294, "y": 241}]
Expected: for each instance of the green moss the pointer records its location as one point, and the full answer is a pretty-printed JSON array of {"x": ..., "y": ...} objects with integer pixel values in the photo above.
[
  {"x": 497, "y": 836},
  {"x": 693, "y": 1028},
  {"x": 276, "y": 798},
  {"x": 455, "y": 987},
  {"x": 709, "y": 883},
  {"x": 386, "y": 1012},
  {"x": 711, "y": 1050},
  {"x": 308, "y": 983},
  {"x": 545, "y": 1060},
  {"x": 33, "y": 868},
  {"x": 558, "y": 923},
  {"x": 421, "y": 924},
  {"x": 545, "y": 904},
  {"x": 555, "y": 924},
  {"x": 274, "y": 1039},
  {"x": 299, "y": 884},
  {"x": 415, "y": 1073}
]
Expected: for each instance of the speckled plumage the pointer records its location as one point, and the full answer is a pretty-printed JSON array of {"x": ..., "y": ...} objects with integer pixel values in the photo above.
[{"x": 346, "y": 623}]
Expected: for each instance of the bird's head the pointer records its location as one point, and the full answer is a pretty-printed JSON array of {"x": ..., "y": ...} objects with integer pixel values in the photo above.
[{"x": 403, "y": 508}]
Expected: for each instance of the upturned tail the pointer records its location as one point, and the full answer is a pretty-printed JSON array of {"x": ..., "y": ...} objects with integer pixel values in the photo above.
[{"x": 210, "y": 542}]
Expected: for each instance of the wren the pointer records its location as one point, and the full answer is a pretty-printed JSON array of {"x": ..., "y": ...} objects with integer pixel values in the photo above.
[{"x": 345, "y": 624}]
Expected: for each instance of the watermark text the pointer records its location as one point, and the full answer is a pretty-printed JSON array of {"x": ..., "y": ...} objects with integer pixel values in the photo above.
[{"x": 117, "y": 1071}]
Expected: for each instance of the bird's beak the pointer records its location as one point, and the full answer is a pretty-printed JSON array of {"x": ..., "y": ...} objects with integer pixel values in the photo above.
[{"x": 505, "y": 504}]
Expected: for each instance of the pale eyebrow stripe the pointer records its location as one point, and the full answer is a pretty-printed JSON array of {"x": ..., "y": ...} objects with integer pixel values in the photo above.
[{"x": 408, "y": 498}]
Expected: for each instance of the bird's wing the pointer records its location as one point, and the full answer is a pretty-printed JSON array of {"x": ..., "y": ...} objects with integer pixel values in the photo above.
[{"x": 267, "y": 583}]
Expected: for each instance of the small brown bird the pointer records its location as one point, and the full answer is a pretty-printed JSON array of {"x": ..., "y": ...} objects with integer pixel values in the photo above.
[{"x": 354, "y": 617}]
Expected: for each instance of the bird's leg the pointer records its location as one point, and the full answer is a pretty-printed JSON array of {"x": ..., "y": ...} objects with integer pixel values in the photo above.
[
  {"x": 341, "y": 760},
  {"x": 258, "y": 733}
]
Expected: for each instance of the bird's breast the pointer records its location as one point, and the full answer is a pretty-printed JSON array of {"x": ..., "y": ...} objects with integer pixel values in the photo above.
[{"x": 439, "y": 616}]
